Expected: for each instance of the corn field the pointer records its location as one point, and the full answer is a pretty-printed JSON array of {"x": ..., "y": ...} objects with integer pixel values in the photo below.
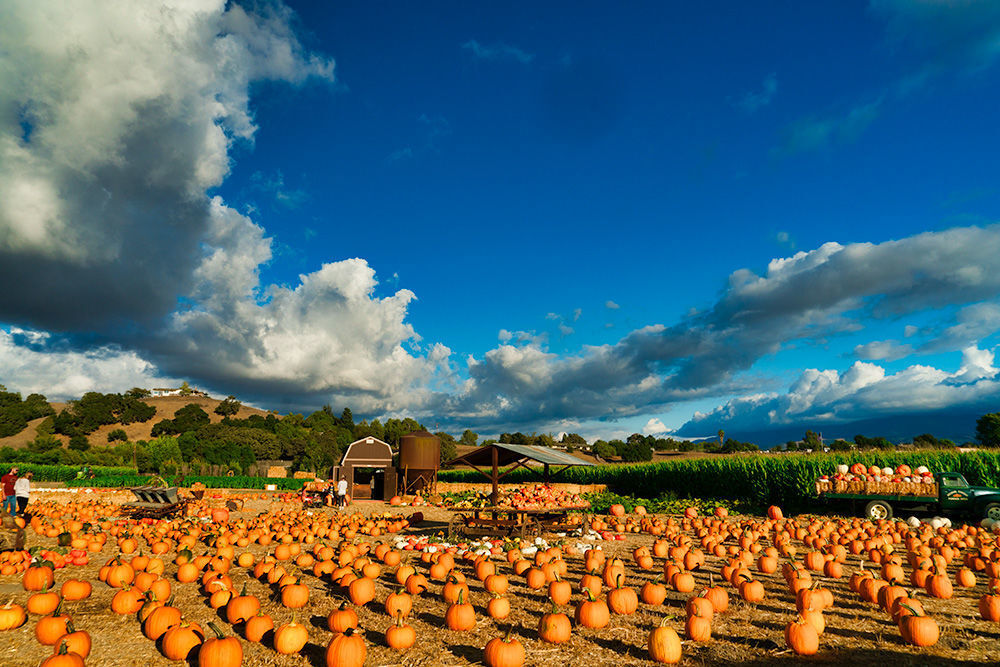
[{"x": 783, "y": 479}]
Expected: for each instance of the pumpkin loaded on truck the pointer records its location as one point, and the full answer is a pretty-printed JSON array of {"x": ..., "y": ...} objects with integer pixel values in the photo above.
[{"x": 945, "y": 493}]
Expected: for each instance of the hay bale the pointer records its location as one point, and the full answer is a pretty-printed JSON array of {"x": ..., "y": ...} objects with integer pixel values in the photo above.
[
  {"x": 301, "y": 474},
  {"x": 277, "y": 471}
]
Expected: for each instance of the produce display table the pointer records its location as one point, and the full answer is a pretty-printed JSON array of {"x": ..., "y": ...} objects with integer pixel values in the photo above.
[{"x": 511, "y": 520}]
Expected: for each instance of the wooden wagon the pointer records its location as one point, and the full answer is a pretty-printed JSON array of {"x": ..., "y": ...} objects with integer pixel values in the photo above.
[{"x": 154, "y": 502}]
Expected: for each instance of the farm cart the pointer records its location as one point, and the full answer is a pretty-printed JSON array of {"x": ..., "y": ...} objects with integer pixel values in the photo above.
[
  {"x": 154, "y": 503},
  {"x": 950, "y": 494}
]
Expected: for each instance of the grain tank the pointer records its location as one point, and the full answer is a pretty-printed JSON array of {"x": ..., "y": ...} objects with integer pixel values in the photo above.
[{"x": 419, "y": 460}]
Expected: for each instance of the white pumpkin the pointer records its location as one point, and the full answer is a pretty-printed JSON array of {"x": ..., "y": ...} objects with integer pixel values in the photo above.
[
  {"x": 936, "y": 523},
  {"x": 986, "y": 524},
  {"x": 886, "y": 471},
  {"x": 842, "y": 468},
  {"x": 913, "y": 522},
  {"x": 922, "y": 470}
]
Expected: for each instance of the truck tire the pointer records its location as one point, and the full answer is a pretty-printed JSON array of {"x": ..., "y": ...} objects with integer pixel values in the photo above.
[
  {"x": 992, "y": 511},
  {"x": 878, "y": 509}
]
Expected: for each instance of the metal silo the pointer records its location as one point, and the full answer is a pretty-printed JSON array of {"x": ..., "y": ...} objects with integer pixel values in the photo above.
[{"x": 419, "y": 460}]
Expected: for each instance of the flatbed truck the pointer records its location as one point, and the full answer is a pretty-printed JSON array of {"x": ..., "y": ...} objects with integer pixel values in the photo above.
[{"x": 955, "y": 496}]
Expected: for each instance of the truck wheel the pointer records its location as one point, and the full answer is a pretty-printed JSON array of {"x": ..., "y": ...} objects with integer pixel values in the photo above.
[
  {"x": 992, "y": 511},
  {"x": 878, "y": 509}
]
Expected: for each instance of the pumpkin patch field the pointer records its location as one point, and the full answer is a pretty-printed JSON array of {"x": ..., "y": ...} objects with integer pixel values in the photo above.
[{"x": 276, "y": 584}]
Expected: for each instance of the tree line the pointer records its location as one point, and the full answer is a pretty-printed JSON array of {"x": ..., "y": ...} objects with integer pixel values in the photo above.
[{"x": 189, "y": 440}]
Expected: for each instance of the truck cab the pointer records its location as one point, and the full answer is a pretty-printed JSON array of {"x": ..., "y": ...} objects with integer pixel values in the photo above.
[{"x": 955, "y": 495}]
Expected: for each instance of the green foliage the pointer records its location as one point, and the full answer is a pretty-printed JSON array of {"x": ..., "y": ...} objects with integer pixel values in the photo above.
[
  {"x": 138, "y": 392},
  {"x": 667, "y": 503},
  {"x": 928, "y": 441},
  {"x": 94, "y": 410},
  {"x": 15, "y": 413},
  {"x": 880, "y": 443},
  {"x": 988, "y": 430},
  {"x": 189, "y": 418},
  {"x": 79, "y": 443},
  {"x": 61, "y": 473},
  {"x": 469, "y": 438},
  {"x": 116, "y": 480},
  {"x": 164, "y": 453},
  {"x": 604, "y": 450},
  {"x": 117, "y": 435},
  {"x": 633, "y": 450},
  {"x": 230, "y": 406}
]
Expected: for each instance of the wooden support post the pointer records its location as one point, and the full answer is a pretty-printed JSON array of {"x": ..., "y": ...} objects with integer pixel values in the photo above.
[{"x": 495, "y": 475}]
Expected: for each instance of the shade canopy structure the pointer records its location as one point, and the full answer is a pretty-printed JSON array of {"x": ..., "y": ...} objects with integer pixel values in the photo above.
[{"x": 489, "y": 459}]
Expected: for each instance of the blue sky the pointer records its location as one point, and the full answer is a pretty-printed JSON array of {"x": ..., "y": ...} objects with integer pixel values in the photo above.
[{"x": 575, "y": 216}]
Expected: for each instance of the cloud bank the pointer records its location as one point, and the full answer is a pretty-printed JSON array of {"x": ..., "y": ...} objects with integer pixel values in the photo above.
[
  {"x": 118, "y": 120},
  {"x": 864, "y": 390}
]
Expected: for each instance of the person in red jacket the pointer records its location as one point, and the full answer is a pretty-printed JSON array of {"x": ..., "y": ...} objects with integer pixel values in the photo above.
[{"x": 9, "y": 500}]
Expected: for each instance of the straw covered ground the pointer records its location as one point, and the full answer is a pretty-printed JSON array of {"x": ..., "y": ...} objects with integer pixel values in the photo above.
[{"x": 857, "y": 633}]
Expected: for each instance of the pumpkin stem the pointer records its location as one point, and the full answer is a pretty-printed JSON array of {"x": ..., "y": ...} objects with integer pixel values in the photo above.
[
  {"x": 216, "y": 630},
  {"x": 911, "y": 609}
]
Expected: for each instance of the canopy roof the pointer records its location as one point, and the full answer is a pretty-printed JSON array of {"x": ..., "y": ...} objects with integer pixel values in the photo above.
[
  {"x": 501, "y": 454},
  {"x": 507, "y": 454}
]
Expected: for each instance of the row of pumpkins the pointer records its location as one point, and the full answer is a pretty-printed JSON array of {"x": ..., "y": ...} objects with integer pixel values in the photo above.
[{"x": 900, "y": 474}]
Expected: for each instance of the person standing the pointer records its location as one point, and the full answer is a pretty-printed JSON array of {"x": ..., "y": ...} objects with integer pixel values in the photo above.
[
  {"x": 342, "y": 492},
  {"x": 22, "y": 489},
  {"x": 9, "y": 500}
]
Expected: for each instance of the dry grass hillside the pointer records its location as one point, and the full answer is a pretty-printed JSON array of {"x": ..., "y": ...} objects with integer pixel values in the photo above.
[{"x": 165, "y": 406}]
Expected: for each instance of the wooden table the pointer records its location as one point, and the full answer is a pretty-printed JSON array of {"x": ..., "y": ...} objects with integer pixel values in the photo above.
[{"x": 510, "y": 520}]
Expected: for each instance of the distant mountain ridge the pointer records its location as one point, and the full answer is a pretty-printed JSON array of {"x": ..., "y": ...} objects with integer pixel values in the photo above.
[{"x": 958, "y": 426}]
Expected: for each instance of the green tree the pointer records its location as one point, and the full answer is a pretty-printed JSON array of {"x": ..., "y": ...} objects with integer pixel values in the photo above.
[
  {"x": 812, "y": 441},
  {"x": 79, "y": 443},
  {"x": 164, "y": 453},
  {"x": 228, "y": 407},
  {"x": 988, "y": 430},
  {"x": 377, "y": 430},
  {"x": 573, "y": 439},
  {"x": 185, "y": 389},
  {"x": 544, "y": 440},
  {"x": 604, "y": 450},
  {"x": 117, "y": 434},
  {"x": 469, "y": 438},
  {"x": 840, "y": 445},
  {"x": 347, "y": 418},
  {"x": 393, "y": 432},
  {"x": 138, "y": 392},
  {"x": 190, "y": 418}
]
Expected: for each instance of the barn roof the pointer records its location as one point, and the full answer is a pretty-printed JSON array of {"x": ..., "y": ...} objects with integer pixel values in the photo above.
[{"x": 368, "y": 452}]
